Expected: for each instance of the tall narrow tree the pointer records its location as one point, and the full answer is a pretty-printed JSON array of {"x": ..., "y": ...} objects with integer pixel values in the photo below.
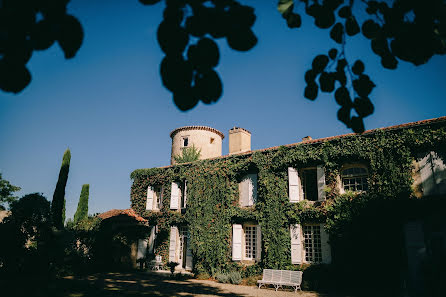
[
  {"x": 59, "y": 192},
  {"x": 82, "y": 206},
  {"x": 64, "y": 211}
]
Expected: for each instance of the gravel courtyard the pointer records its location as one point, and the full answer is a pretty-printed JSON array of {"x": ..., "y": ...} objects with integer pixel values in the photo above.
[{"x": 138, "y": 284}]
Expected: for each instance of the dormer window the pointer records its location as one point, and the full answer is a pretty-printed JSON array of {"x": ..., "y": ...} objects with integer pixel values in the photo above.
[{"x": 354, "y": 178}]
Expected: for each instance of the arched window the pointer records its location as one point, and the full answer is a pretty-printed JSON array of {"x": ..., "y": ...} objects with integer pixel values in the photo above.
[{"x": 354, "y": 178}]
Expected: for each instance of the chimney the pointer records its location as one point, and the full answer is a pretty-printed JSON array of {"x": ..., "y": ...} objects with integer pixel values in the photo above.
[
  {"x": 306, "y": 138},
  {"x": 239, "y": 140}
]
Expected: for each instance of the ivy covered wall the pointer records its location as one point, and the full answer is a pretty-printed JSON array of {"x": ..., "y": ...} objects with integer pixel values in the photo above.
[{"x": 357, "y": 224}]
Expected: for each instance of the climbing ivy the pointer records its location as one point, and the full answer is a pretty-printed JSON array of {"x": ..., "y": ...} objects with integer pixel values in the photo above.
[{"x": 212, "y": 193}]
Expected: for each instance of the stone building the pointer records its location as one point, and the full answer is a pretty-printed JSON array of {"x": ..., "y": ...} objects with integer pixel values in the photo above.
[{"x": 309, "y": 175}]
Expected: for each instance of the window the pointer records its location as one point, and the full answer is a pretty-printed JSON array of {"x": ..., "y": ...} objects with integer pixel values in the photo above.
[
  {"x": 312, "y": 243},
  {"x": 354, "y": 179},
  {"x": 185, "y": 141},
  {"x": 306, "y": 183},
  {"x": 158, "y": 197},
  {"x": 248, "y": 190},
  {"x": 183, "y": 195},
  {"x": 250, "y": 242},
  {"x": 309, "y": 184},
  {"x": 212, "y": 140},
  {"x": 309, "y": 244},
  {"x": 246, "y": 242}
]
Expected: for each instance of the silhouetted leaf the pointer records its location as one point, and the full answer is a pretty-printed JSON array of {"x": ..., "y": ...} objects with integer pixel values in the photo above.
[
  {"x": 185, "y": 99},
  {"x": 388, "y": 61},
  {"x": 13, "y": 77},
  {"x": 340, "y": 76},
  {"x": 370, "y": 29},
  {"x": 324, "y": 18},
  {"x": 326, "y": 82},
  {"x": 357, "y": 124},
  {"x": 173, "y": 14},
  {"x": 310, "y": 76},
  {"x": 351, "y": 26},
  {"x": 195, "y": 26},
  {"x": 332, "y": 53},
  {"x": 342, "y": 97},
  {"x": 311, "y": 91},
  {"x": 176, "y": 73},
  {"x": 345, "y": 12},
  {"x": 42, "y": 35},
  {"x": 242, "y": 40},
  {"x": 204, "y": 55},
  {"x": 363, "y": 106},
  {"x": 208, "y": 87},
  {"x": 380, "y": 46},
  {"x": 358, "y": 67},
  {"x": 319, "y": 63},
  {"x": 242, "y": 15},
  {"x": 172, "y": 38},
  {"x": 70, "y": 36},
  {"x": 363, "y": 85},
  {"x": 337, "y": 33},
  {"x": 344, "y": 115},
  {"x": 294, "y": 20}
]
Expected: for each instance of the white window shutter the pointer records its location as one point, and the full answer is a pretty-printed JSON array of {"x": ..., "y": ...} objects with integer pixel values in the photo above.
[
  {"x": 293, "y": 185},
  {"x": 237, "y": 233},
  {"x": 426, "y": 172},
  {"x": 326, "y": 249},
  {"x": 243, "y": 188},
  {"x": 252, "y": 189},
  {"x": 173, "y": 243},
  {"x": 174, "y": 196},
  {"x": 149, "y": 202},
  {"x": 151, "y": 242},
  {"x": 320, "y": 172},
  {"x": 296, "y": 244},
  {"x": 189, "y": 256},
  {"x": 142, "y": 249},
  {"x": 258, "y": 243}
]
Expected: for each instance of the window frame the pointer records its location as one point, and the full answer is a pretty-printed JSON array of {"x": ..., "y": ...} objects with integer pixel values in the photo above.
[
  {"x": 315, "y": 249},
  {"x": 253, "y": 242},
  {"x": 157, "y": 205},
  {"x": 363, "y": 176},
  {"x": 302, "y": 183},
  {"x": 185, "y": 138}
]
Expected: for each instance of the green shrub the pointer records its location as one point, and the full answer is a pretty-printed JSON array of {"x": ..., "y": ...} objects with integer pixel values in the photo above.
[
  {"x": 202, "y": 276},
  {"x": 222, "y": 278},
  {"x": 251, "y": 270},
  {"x": 235, "y": 277}
]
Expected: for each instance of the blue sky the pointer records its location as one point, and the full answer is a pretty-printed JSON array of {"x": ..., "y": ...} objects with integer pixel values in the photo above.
[{"x": 108, "y": 105}]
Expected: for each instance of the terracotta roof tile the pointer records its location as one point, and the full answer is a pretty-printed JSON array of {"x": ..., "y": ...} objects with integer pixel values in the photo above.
[
  {"x": 313, "y": 141},
  {"x": 116, "y": 212}
]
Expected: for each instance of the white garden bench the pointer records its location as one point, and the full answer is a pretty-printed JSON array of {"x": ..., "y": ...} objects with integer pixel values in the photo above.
[{"x": 279, "y": 278}]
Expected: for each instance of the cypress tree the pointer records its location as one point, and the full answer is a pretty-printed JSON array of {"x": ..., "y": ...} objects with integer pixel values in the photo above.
[
  {"x": 82, "y": 206},
  {"x": 59, "y": 192},
  {"x": 63, "y": 211}
]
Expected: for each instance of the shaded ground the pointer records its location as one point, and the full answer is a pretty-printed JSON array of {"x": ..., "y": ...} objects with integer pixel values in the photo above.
[{"x": 136, "y": 284}]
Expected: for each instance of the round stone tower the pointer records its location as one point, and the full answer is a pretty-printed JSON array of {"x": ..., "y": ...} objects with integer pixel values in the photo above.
[{"x": 207, "y": 139}]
